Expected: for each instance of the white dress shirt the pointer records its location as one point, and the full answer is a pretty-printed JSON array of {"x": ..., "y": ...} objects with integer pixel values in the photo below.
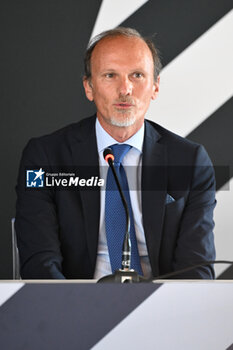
[{"x": 132, "y": 165}]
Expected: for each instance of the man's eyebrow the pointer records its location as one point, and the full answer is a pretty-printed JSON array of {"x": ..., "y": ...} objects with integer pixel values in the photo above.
[
  {"x": 109, "y": 69},
  {"x": 136, "y": 69}
]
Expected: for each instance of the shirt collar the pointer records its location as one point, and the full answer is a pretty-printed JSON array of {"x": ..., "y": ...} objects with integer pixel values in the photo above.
[{"x": 104, "y": 140}]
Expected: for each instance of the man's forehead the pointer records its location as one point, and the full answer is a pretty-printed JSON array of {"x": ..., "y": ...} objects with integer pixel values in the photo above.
[{"x": 120, "y": 45}]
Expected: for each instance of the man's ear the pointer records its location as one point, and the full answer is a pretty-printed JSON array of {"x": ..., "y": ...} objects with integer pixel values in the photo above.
[
  {"x": 155, "y": 88},
  {"x": 88, "y": 88}
]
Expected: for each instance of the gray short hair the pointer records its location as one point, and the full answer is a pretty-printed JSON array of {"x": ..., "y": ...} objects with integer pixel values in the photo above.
[{"x": 121, "y": 31}]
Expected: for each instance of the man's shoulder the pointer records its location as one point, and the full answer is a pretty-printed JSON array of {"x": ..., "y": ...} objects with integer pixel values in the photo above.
[
  {"x": 57, "y": 145},
  {"x": 70, "y": 133},
  {"x": 168, "y": 137},
  {"x": 179, "y": 149},
  {"x": 71, "y": 130}
]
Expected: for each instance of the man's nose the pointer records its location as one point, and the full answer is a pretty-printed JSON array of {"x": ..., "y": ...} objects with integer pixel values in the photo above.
[{"x": 125, "y": 86}]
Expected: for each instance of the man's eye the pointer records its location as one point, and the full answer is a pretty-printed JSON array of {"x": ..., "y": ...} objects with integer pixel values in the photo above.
[
  {"x": 138, "y": 75},
  {"x": 109, "y": 75}
]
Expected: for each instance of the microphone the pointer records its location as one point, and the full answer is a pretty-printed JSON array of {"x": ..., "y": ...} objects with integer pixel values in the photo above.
[
  {"x": 192, "y": 267},
  {"x": 126, "y": 249},
  {"x": 125, "y": 274}
]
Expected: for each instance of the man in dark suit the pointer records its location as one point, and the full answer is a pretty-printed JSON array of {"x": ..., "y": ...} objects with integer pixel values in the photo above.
[{"x": 62, "y": 233}]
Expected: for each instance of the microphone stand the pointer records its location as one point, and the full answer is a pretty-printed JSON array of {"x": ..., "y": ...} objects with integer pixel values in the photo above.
[{"x": 125, "y": 274}]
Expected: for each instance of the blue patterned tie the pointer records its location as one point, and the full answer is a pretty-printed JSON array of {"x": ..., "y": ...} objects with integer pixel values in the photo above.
[{"x": 115, "y": 217}]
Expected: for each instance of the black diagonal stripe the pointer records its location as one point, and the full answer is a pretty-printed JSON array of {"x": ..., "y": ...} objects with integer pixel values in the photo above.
[
  {"x": 177, "y": 22},
  {"x": 227, "y": 274},
  {"x": 230, "y": 347},
  {"x": 66, "y": 316},
  {"x": 216, "y": 134}
]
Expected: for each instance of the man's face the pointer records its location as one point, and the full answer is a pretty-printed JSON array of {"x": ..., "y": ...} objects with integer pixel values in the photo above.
[{"x": 122, "y": 81}]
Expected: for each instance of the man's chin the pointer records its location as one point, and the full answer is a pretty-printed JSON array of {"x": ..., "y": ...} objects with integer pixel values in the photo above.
[{"x": 122, "y": 123}]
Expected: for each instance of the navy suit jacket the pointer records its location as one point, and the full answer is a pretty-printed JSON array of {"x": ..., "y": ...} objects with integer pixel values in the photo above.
[{"x": 57, "y": 230}]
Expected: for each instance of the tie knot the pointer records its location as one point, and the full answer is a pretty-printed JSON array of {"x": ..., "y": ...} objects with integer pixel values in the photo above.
[{"x": 119, "y": 152}]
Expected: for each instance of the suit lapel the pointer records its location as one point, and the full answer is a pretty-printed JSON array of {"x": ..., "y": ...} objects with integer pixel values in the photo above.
[
  {"x": 85, "y": 158},
  {"x": 154, "y": 183}
]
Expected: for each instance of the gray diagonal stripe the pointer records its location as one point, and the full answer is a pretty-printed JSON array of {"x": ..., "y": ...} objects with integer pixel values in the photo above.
[
  {"x": 216, "y": 134},
  {"x": 179, "y": 316},
  {"x": 67, "y": 316},
  {"x": 178, "y": 23}
]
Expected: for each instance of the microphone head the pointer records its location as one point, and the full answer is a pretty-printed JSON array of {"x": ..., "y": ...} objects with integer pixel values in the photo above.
[{"x": 108, "y": 155}]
